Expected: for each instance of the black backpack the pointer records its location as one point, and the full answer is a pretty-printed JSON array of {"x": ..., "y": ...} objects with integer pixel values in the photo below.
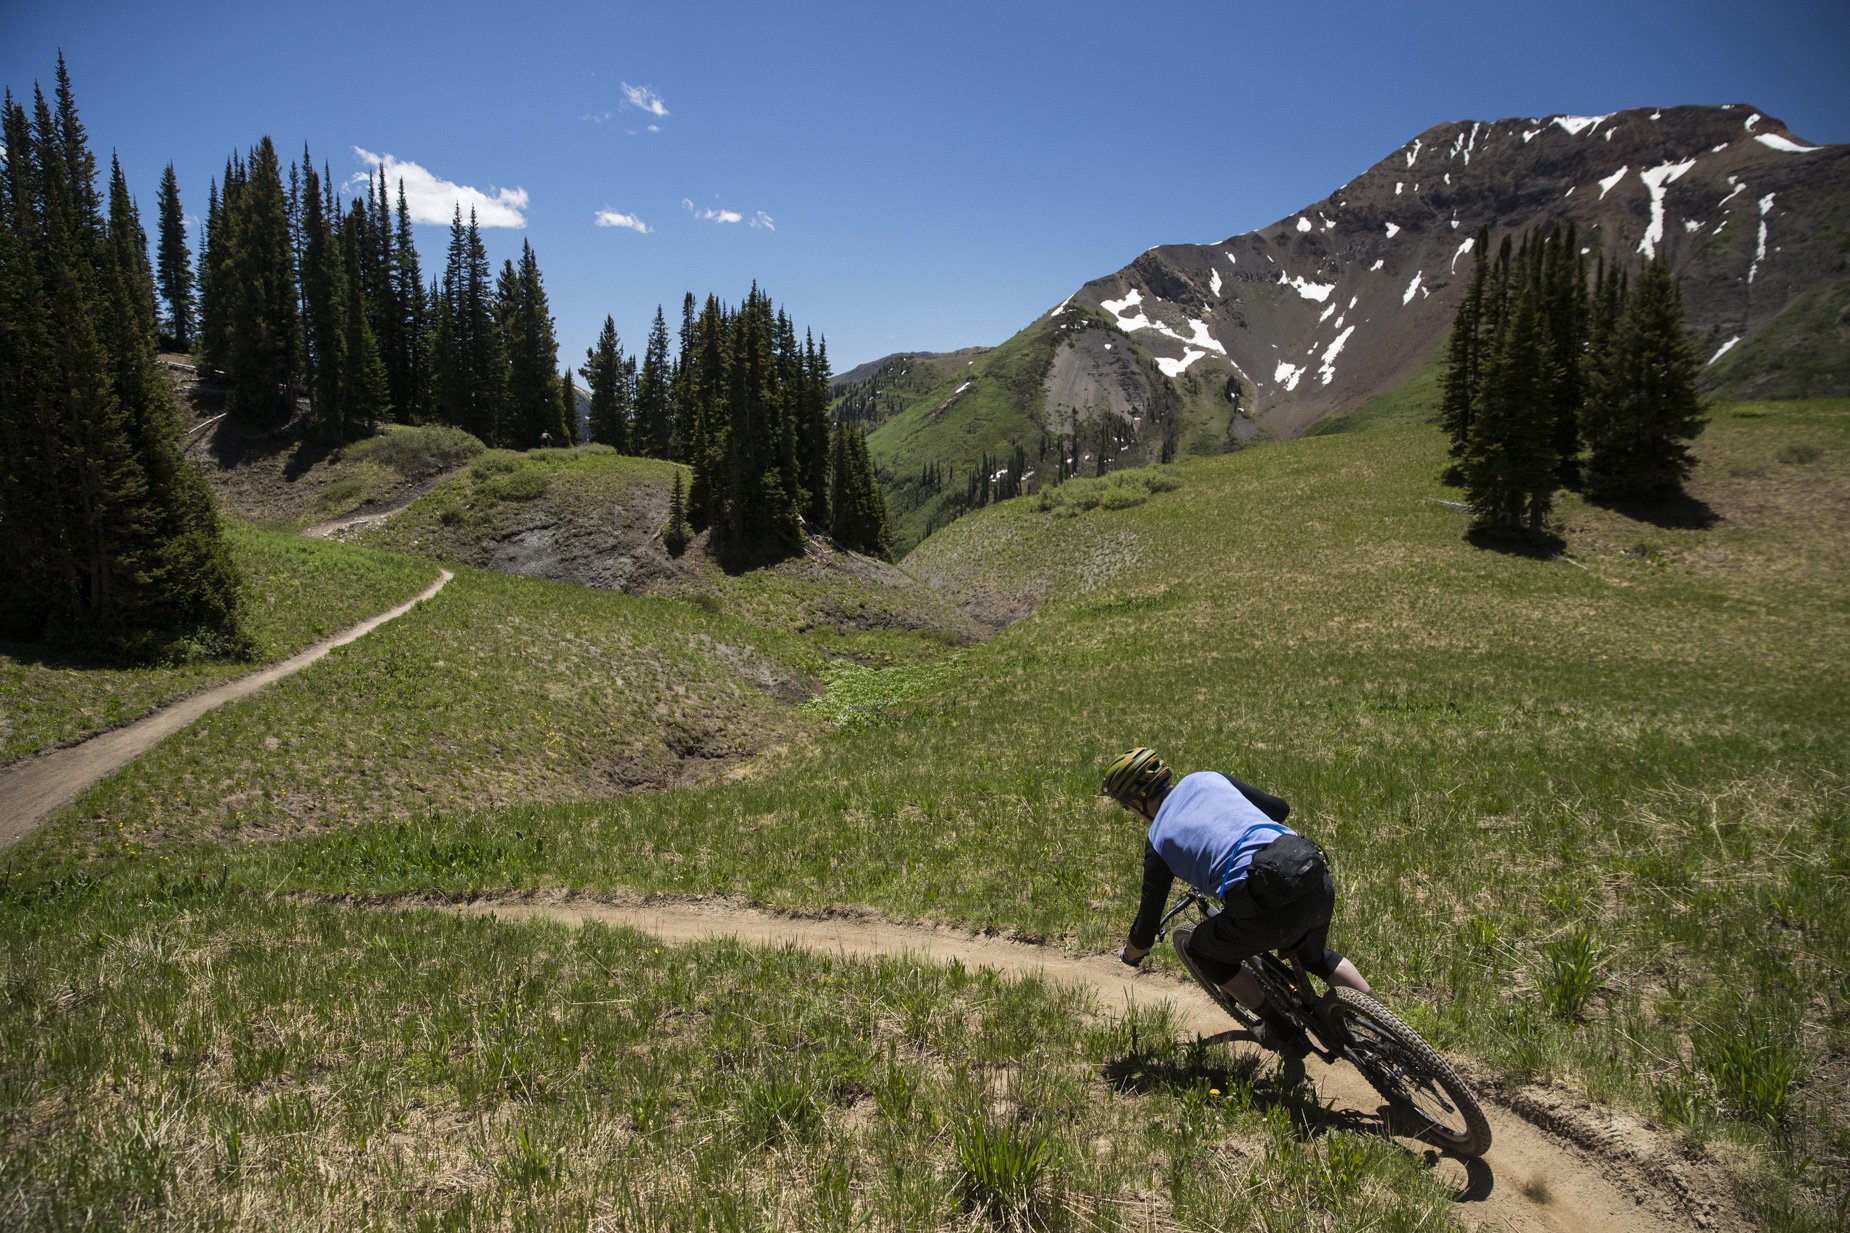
[{"x": 1285, "y": 870}]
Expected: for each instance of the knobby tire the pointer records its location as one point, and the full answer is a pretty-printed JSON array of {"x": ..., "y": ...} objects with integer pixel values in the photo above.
[
  {"x": 1419, "y": 1085},
  {"x": 1428, "y": 1098}
]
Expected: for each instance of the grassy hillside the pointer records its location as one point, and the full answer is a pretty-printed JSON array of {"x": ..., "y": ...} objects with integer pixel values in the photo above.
[
  {"x": 1588, "y": 819},
  {"x": 594, "y": 517},
  {"x": 295, "y": 593}
]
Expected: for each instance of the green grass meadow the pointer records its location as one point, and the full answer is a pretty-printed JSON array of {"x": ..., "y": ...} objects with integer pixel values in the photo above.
[
  {"x": 296, "y": 592},
  {"x": 1588, "y": 816}
]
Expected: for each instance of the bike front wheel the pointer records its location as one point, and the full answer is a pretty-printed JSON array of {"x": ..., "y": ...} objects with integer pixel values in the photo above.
[
  {"x": 1178, "y": 938},
  {"x": 1420, "y": 1086}
]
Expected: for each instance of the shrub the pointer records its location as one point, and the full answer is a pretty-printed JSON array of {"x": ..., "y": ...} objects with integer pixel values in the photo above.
[
  {"x": 525, "y": 484},
  {"x": 416, "y": 452},
  {"x": 489, "y": 465},
  {"x": 1119, "y": 490},
  {"x": 1002, "y": 1165}
]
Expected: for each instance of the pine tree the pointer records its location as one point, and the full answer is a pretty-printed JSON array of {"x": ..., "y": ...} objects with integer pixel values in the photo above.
[
  {"x": 812, "y": 427},
  {"x": 324, "y": 295},
  {"x": 175, "y": 262},
  {"x": 704, "y": 420},
  {"x": 859, "y": 510},
  {"x": 1642, "y": 405},
  {"x": 365, "y": 388},
  {"x": 533, "y": 354},
  {"x": 757, "y": 515},
  {"x": 677, "y": 532},
  {"x": 603, "y": 372},
  {"x": 469, "y": 361},
  {"x": 260, "y": 329},
  {"x": 1510, "y": 464},
  {"x": 568, "y": 407},
  {"x": 1464, "y": 355},
  {"x": 408, "y": 365},
  {"x": 654, "y": 428},
  {"x": 110, "y": 539}
]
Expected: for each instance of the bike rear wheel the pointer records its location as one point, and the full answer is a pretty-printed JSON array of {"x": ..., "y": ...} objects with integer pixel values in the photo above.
[{"x": 1419, "y": 1085}]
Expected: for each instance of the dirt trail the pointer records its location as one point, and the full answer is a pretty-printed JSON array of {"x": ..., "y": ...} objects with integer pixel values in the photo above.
[
  {"x": 31, "y": 789},
  {"x": 1534, "y": 1180}
]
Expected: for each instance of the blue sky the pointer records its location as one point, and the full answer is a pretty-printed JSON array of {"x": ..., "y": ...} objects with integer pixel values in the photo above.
[{"x": 900, "y": 177}]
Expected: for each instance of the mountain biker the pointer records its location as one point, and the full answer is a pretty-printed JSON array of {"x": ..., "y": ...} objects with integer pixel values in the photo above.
[{"x": 1228, "y": 839}]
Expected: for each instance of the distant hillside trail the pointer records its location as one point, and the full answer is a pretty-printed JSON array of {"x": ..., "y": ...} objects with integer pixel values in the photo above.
[
  {"x": 398, "y": 503},
  {"x": 32, "y": 788},
  {"x": 1556, "y": 1165}
]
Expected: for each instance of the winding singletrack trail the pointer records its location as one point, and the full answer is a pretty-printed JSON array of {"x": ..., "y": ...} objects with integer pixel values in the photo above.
[
  {"x": 33, "y": 787},
  {"x": 1532, "y": 1181}
]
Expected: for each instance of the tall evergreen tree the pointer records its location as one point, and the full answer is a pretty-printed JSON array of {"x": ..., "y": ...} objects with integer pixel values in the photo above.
[
  {"x": 757, "y": 514},
  {"x": 654, "y": 426},
  {"x": 324, "y": 296},
  {"x": 604, "y": 373},
  {"x": 813, "y": 446},
  {"x": 408, "y": 364},
  {"x": 1642, "y": 404},
  {"x": 705, "y": 416},
  {"x": 857, "y": 507},
  {"x": 108, "y": 539},
  {"x": 469, "y": 361},
  {"x": 1464, "y": 356},
  {"x": 1510, "y": 465},
  {"x": 681, "y": 387},
  {"x": 533, "y": 355},
  {"x": 260, "y": 329},
  {"x": 365, "y": 389},
  {"x": 568, "y": 408},
  {"x": 175, "y": 264}
]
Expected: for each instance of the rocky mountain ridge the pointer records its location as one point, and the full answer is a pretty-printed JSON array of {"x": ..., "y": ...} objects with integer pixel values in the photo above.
[
  {"x": 1325, "y": 308},
  {"x": 1201, "y": 347}
]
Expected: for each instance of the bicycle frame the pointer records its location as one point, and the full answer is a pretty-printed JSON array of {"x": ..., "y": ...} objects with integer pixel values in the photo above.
[{"x": 1286, "y": 985}]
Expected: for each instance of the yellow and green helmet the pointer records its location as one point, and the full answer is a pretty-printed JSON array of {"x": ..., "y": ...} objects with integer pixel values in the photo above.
[{"x": 1136, "y": 775}]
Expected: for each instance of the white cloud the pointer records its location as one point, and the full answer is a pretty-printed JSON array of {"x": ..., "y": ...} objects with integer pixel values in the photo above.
[
  {"x": 642, "y": 98},
  {"x": 434, "y": 200},
  {"x": 610, "y": 218},
  {"x": 759, "y": 221}
]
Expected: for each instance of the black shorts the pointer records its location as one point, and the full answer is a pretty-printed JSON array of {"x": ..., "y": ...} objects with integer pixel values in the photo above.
[{"x": 1243, "y": 929}]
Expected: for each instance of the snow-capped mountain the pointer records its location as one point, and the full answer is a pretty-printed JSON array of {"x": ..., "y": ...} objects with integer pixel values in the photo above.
[
  {"x": 1329, "y": 306},
  {"x": 1198, "y": 347}
]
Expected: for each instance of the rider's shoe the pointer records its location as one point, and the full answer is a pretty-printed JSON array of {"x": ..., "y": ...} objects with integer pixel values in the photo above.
[{"x": 1279, "y": 1034}]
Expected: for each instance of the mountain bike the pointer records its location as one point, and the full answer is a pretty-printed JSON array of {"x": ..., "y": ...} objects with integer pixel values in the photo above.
[{"x": 1427, "y": 1098}]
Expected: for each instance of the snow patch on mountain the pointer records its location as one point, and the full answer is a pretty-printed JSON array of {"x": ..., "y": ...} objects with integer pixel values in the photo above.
[
  {"x": 1412, "y": 288},
  {"x": 1580, "y": 124},
  {"x": 1309, "y": 290},
  {"x": 1766, "y": 205},
  {"x": 1200, "y": 337},
  {"x": 1287, "y": 374},
  {"x": 1175, "y": 368},
  {"x": 1656, "y": 181},
  {"x": 1774, "y": 141},
  {"x": 1118, "y": 308},
  {"x": 1328, "y": 369}
]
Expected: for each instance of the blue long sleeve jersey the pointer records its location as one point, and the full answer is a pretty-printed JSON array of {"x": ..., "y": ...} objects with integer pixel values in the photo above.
[{"x": 1206, "y": 832}]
